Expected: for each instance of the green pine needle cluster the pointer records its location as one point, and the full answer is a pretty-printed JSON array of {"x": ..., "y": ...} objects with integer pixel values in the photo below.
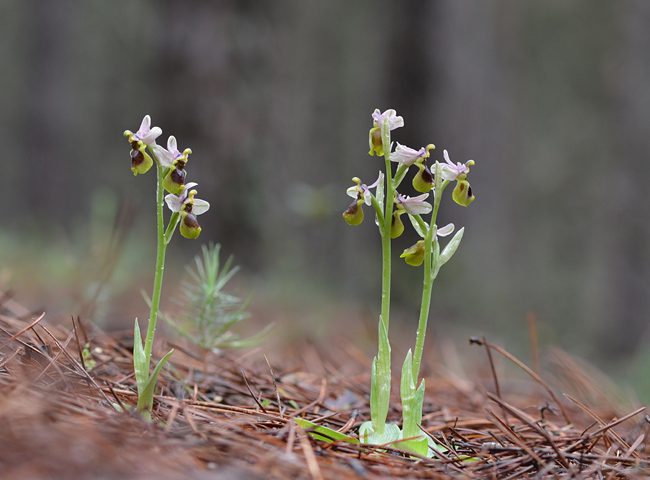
[{"x": 207, "y": 314}]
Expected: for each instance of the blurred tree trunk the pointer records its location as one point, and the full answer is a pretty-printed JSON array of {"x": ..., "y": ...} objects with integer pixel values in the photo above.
[{"x": 628, "y": 255}]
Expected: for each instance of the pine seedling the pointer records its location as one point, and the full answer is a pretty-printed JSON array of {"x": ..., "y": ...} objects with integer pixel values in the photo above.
[{"x": 207, "y": 313}]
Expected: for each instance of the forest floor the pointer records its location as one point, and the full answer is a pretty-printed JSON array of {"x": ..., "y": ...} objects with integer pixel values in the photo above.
[{"x": 66, "y": 413}]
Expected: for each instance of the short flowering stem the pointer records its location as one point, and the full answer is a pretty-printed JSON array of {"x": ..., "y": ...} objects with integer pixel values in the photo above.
[{"x": 160, "y": 262}]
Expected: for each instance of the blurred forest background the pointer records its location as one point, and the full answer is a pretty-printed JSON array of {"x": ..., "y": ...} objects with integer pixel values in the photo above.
[{"x": 550, "y": 98}]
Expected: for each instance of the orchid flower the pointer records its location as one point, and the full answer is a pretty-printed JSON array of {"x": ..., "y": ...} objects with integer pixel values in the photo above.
[
  {"x": 145, "y": 134},
  {"x": 458, "y": 171},
  {"x": 141, "y": 162},
  {"x": 364, "y": 190},
  {"x": 462, "y": 193},
  {"x": 361, "y": 193},
  {"x": 189, "y": 208},
  {"x": 406, "y": 155},
  {"x": 176, "y": 161},
  {"x": 414, "y": 255},
  {"x": 413, "y": 205},
  {"x": 168, "y": 156},
  {"x": 381, "y": 121}
]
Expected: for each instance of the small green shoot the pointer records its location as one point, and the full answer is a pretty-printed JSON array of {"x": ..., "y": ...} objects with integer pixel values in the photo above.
[{"x": 207, "y": 313}]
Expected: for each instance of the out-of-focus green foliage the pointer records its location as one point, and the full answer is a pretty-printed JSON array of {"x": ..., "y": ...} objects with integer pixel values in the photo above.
[{"x": 207, "y": 313}]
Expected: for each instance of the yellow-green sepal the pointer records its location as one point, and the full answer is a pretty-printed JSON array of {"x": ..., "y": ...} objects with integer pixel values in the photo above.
[
  {"x": 396, "y": 227},
  {"x": 174, "y": 181},
  {"x": 354, "y": 214},
  {"x": 423, "y": 180},
  {"x": 190, "y": 228},
  {"x": 462, "y": 194},
  {"x": 414, "y": 255},
  {"x": 141, "y": 162},
  {"x": 375, "y": 141}
]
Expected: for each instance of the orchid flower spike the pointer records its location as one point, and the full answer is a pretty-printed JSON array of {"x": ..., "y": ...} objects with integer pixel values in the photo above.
[
  {"x": 362, "y": 194},
  {"x": 189, "y": 208},
  {"x": 141, "y": 162},
  {"x": 382, "y": 122},
  {"x": 176, "y": 161}
]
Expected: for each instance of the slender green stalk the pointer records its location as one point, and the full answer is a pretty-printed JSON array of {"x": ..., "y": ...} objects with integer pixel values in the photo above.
[
  {"x": 386, "y": 244},
  {"x": 160, "y": 263},
  {"x": 429, "y": 267}
]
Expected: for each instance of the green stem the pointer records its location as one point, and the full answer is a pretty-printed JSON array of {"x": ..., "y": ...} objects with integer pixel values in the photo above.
[
  {"x": 385, "y": 233},
  {"x": 385, "y": 246},
  {"x": 160, "y": 264},
  {"x": 429, "y": 267}
]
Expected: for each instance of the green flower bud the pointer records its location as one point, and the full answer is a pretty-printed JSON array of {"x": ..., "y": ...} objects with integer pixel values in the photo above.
[
  {"x": 141, "y": 162},
  {"x": 174, "y": 181},
  {"x": 462, "y": 194},
  {"x": 190, "y": 228},
  {"x": 423, "y": 180},
  {"x": 396, "y": 226},
  {"x": 414, "y": 255},
  {"x": 354, "y": 214}
]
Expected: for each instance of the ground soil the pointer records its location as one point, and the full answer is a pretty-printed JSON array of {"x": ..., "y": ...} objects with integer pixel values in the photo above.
[{"x": 231, "y": 415}]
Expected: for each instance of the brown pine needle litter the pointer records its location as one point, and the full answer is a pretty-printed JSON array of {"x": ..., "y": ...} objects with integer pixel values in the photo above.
[{"x": 67, "y": 398}]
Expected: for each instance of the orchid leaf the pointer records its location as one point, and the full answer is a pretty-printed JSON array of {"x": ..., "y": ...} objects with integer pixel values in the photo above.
[
  {"x": 145, "y": 399},
  {"x": 451, "y": 247},
  {"x": 390, "y": 434},
  {"x": 323, "y": 433},
  {"x": 140, "y": 361}
]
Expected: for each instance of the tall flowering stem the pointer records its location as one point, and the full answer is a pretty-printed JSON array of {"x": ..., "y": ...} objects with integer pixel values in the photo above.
[
  {"x": 389, "y": 207},
  {"x": 184, "y": 208}
]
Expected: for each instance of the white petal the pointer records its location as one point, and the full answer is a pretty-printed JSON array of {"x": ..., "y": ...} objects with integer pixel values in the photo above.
[
  {"x": 352, "y": 191},
  {"x": 380, "y": 179},
  {"x": 151, "y": 136},
  {"x": 171, "y": 144},
  {"x": 146, "y": 124},
  {"x": 446, "y": 230},
  {"x": 164, "y": 157},
  {"x": 446, "y": 155},
  {"x": 417, "y": 209},
  {"x": 173, "y": 202},
  {"x": 448, "y": 173},
  {"x": 419, "y": 198},
  {"x": 200, "y": 206}
]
